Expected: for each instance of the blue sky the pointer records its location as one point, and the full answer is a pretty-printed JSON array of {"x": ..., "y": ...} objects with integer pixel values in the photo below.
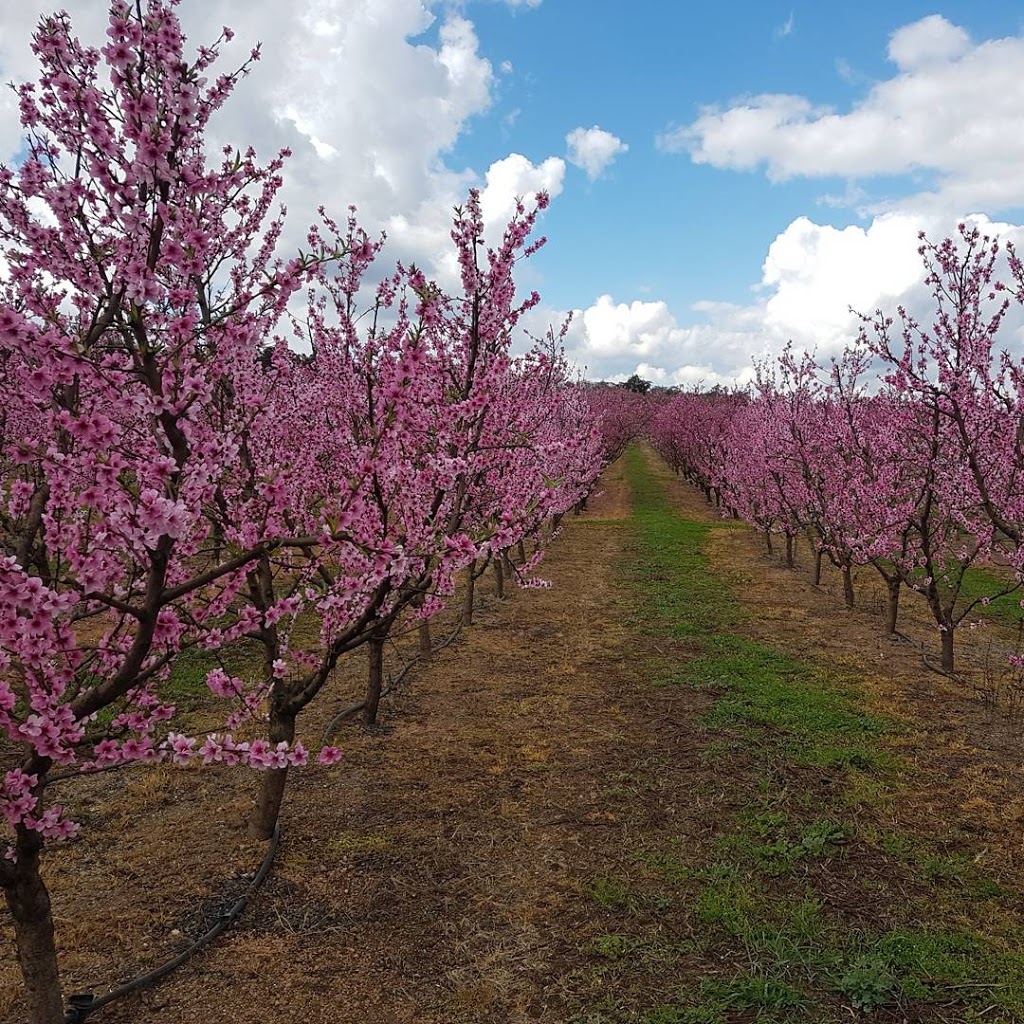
[{"x": 756, "y": 133}]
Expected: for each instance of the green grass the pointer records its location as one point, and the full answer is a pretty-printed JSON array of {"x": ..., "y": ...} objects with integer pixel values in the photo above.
[
  {"x": 806, "y": 764},
  {"x": 979, "y": 583},
  {"x": 819, "y": 720}
]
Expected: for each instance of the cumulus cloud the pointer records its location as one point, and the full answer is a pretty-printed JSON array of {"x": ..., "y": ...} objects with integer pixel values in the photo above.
[
  {"x": 612, "y": 340},
  {"x": 593, "y": 149},
  {"x": 369, "y": 103},
  {"x": 952, "y": 109},
  {"x": 928, "y": 41},
  {"x": 816, "y": 272},
  {"x": 513, "y": 177},
  {"x": 815, "y": 281}
]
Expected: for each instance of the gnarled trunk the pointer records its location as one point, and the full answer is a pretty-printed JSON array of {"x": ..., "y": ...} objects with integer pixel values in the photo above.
[{"x": 29, "y": 904}]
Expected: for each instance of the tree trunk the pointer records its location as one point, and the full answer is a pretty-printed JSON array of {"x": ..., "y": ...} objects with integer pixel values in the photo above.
[
  {"x": 521, "y": 549},
  {"x": 29, "y": 904},
  {"x": 467, "y": 602},
  {"x": 816, "y": 575},
  {"x": 556, "y": 521},
  {"x": 892, "y": 605},
  {"x": 375, "y": 680},
  {"x": 271, "y": 794},
  {"x": 768, "y": 541},
  {"x": 425, "y": 647},
  {"x": 789, "y": 551},
  {"x": 499, "y": 576},
  {"x": 947, "y": 648},
  {"x": 848, "y": 586}
]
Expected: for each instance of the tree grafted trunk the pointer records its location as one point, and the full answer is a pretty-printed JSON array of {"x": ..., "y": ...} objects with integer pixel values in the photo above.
[
  {"x": 892, "y": 605},
  {"x": 375, "y": 678},
  {"x": 273, "y": 781},
  {"x": 29, "y": 904},
  {"x": 848, "y": 597}
]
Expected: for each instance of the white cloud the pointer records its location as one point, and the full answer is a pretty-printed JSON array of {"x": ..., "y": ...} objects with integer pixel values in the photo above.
[
  {"x": 816, "y": 272},
  {"x": 369, "y": 106},
  {"x": 812, "y": 275},
  {"x": 928, "y": 41},
  {"x": 422, "y": 236},
  {"x": 516, "y": 176},
  {"x": 786, "y": 28},
  {"x": 613, "y": 340},
  {"x": 952, "y": 109},
  {"x": 593, "y": 149}
]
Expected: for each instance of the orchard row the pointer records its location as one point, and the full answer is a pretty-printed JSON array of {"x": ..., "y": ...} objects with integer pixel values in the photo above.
[
  {"x": 905, "y": 453},
  {"x": 204, "y": 444}
]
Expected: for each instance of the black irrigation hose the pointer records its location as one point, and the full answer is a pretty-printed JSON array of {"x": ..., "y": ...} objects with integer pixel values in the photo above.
[{"x": 84, "y": 1004}]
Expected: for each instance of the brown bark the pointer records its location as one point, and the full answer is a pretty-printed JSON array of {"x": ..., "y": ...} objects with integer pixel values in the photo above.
[
  {"x": 789, "y": 551},
  {"x": 29, "y": 904},
  {"x": 467, "y": 602},
  {"x": 848, "y": 598},
  {"x": 499, "y": 577},
  {"x": 768, "y": 542},
  {"x": 375, "y": 679},
  {"x": 947, "y": 648},
  {"x": 273, "y": 781},
  {"x": 521, "y": 550},
  {"x": 892, "y": 605},
  {"x": 425, "y": 647},
  {"x": 816, "y": 574}
]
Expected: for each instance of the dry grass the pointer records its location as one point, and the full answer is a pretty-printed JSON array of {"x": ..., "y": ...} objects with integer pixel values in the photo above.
[{"x": 444, "y": 872}]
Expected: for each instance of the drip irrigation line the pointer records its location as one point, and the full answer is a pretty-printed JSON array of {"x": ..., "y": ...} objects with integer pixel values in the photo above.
[{"x": 83, "y": 1004}]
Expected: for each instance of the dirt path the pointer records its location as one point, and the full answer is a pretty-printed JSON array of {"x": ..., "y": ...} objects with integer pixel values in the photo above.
[
  {"x": 537, "y": 834},
  {"x": 440, "y": 873}
]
